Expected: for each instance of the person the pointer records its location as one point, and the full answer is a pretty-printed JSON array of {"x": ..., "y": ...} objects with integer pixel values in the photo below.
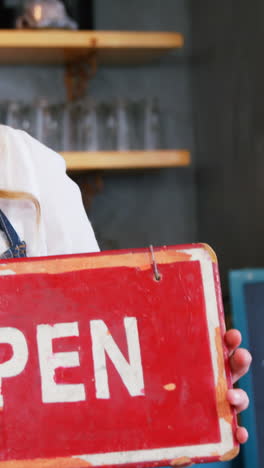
[
  {"x": 41, "y": 213},
  {"x": 30, "y": 172}
]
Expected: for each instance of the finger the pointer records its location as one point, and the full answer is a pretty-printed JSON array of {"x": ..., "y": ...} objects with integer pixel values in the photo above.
[
  {"x": 241, "y": 435},
  {"x": 240, "y": 362},
  {"x": 238, "y": 399},
  {"x": 233, "y": 340}
]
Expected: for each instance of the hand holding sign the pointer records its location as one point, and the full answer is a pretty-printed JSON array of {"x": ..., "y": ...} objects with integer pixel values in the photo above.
[{"x": 240, "y": 360}]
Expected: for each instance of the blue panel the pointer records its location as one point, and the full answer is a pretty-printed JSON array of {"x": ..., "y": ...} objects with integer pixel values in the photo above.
[
  {"x": 212, "y": 465},
  {"x": 215, "y": 465},
  {"x": 238, "y": 283}
]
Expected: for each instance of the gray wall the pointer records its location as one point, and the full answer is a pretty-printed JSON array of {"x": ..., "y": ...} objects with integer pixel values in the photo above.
[
  {"x": 228, "y": 102},
  {"x": 228, "y": 76},
  {"x": 139, "y": 208}
]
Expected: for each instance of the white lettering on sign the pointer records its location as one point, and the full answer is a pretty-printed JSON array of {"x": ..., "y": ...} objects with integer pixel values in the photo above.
[
  {"x": 49, "y": 361},
  {"x": 130, "y": 372},
  {"x": 16, "y": 364}
]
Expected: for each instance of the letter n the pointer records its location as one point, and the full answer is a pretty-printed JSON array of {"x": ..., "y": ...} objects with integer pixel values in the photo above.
[{"x": 131, "y": 372}]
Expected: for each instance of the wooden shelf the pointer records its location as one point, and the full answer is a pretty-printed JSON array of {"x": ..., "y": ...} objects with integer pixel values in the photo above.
[
  {"x": 102, "y": 160},
  {"x": 56, "y": 46}
]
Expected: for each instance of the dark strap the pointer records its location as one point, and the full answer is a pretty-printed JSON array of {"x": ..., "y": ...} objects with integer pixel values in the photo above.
[
  {"x": 9, "y": 231},
  {"x": 17, "y": 248}
]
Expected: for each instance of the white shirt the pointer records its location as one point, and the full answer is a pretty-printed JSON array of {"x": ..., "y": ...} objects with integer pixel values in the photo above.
[{"x": 27, "y": 165}]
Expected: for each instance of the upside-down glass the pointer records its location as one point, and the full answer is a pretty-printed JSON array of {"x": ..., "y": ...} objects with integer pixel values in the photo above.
[
  {"x": 48, "y": 124},
  {"x": 13, "y": 114},
  {"x": 107, "y": 127},
  {"x": 18, "y": 115},
  {"x": 86, "y": 126},
  {"x": 126, "y": 123},
  {"x": 149, "y": 124}
]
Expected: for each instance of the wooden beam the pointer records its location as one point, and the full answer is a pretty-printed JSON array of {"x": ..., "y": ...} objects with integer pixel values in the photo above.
[
  {"x": 55, "y": 46},
  {"x": 102, "y": 160}
]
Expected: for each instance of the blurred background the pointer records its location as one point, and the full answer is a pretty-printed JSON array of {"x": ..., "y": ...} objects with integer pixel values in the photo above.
[{"x": 205, "y": 97}]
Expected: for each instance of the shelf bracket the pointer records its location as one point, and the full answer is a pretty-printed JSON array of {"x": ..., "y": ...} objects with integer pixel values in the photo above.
[
  {"x": 90, "y": 186},
  {"x": 77, "y": 77},
  {"x": 79, "y": 74}
]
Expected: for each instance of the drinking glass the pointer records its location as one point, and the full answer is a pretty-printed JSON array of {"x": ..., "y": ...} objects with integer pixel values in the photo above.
[
  {"x": 13, "y": 114},
  {"x": 149, "y": 124},
  {"x": 107, "y": 126},
  {"x": 67, "y": 143},
  {"x": 125, "y": 119},
  {"x": 48, "y": 123},
  {"x": 86, "y": 126}
]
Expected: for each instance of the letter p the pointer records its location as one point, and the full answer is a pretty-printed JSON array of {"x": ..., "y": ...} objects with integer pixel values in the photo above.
[{"x": 16, "y": 364}]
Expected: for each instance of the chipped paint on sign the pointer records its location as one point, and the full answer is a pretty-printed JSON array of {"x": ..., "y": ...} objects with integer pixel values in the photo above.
[
  {"x": 230, "y": 455},
  {"x": 182, "y": 461},
  {"x": 7, "y": 272},
  {"x": 170, "y": 387},
  {"x": 223, "y": 406},
  {"x": 46, "y": 463}
]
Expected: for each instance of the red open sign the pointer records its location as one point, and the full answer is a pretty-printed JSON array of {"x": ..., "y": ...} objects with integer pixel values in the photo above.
[{"x": 101, "y": 364}]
